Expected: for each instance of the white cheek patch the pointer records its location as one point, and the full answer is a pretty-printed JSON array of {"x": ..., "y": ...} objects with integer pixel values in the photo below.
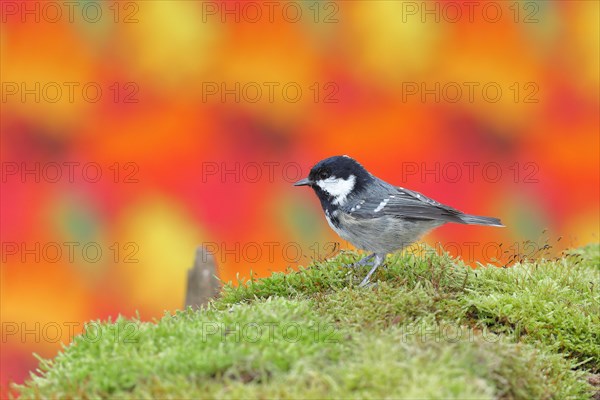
[{"x": 338, "y": 188}]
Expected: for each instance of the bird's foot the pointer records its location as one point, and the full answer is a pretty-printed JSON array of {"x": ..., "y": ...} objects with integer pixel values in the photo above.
[
  {"x": 367, "y": 284},
  {"x": 363, "y": 261},
  {"x": 378, "y": 261}
]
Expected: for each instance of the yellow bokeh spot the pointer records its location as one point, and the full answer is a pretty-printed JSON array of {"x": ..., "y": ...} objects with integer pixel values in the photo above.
[
  {"x": 170, "y": 43},
  {"x": 166, "y": 238},
  {"x": 389, "y": 48}
]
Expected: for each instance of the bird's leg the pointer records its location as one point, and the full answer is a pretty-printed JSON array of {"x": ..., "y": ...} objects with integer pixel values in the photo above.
[
  {"x": 378, "y": 261},
  {"x": 362, "y": 262}
]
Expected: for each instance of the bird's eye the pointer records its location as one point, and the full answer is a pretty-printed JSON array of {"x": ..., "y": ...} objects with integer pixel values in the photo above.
[{"x": 323, "y": 175}]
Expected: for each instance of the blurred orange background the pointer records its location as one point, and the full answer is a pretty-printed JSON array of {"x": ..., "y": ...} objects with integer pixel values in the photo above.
[{"x": 132, "y": 132}]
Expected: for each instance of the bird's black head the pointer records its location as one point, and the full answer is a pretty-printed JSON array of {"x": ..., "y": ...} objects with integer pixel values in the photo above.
[{"x": 335, "y": 178}]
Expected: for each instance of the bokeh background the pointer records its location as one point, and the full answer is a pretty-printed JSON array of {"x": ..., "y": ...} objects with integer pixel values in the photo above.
[{"x": 132, "y": 134}]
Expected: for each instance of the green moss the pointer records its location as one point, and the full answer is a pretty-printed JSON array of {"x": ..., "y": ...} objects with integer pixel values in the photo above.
[{"x": 430, "y": 328}]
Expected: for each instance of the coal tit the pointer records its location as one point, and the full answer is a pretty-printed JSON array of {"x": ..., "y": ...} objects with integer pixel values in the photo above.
[{"x": 374, "y": 215}]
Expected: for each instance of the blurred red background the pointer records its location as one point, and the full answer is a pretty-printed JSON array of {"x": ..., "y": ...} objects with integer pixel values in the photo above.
[{"x": 133, "y": 132}]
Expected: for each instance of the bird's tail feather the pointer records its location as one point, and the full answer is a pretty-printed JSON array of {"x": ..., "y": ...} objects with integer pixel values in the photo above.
[{"x": 477, "y": 220}]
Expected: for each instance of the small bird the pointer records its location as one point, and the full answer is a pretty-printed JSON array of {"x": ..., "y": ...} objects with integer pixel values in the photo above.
[{"x": 374, "y": 215}]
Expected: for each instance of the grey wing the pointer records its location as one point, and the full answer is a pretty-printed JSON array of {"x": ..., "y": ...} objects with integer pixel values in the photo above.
[{"x": 388, "y": 200}]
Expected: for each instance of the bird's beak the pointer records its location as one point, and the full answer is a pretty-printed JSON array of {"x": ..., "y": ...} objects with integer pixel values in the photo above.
[{"x": 303, "y": 182}]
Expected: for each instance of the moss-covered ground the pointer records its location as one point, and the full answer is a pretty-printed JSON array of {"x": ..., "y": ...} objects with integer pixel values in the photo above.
[{"x": 429, "y": 327}]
